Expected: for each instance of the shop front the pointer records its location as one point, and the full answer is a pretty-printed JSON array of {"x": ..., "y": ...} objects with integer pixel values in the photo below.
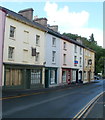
[
  {"x": 22, "y": 76},
  {"x": 66, "y": 76},
  {"x": 50, "y": 77},
  {"x": 75, "y": 76}
]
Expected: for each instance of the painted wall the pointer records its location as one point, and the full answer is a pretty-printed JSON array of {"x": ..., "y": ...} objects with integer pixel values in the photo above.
[
  {"x": 2, "y": 28},
  {"x": 20, "y": 45},
  {"x": 48, "y": 53},
  {"x": 70, "y": 55},
  {"x": 89, "y": 55},
  {"x": 69, "y": 51}
]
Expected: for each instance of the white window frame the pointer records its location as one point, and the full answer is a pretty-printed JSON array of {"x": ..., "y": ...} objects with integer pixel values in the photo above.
[
  {"x": 12, "y": 33},
  {"x": 64, "y": 59},
  {"x": 37, "y": 57},
  {"x": 53, "y": 41},
  {"x": 11, "y": 53},
  {"x": 80, "y": 51},
  {"x": 37, "y": 40},
  {"x": 53, "y": 56},
  {"x": 75, "y": 48},
  {"x": 64, "y": 45}
]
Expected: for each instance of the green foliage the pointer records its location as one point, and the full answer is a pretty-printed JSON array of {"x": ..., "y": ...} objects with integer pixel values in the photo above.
[{"x": 92, "y": 44}]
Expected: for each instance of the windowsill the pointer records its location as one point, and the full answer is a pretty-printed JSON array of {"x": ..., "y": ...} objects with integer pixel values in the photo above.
[
  {"x": 53, "y": 45},
  {"x": 53, "y": 63},
  {"x": 75, "y": 65},
  {"x": 12, "y": 38},
  {"x": 37, "y": 45},
  {"x": 10, "y": 59},
  {"x": 37, "y": 62},
  {"x": 64, "y": 49},
  {"x": 25, "y": 61}
]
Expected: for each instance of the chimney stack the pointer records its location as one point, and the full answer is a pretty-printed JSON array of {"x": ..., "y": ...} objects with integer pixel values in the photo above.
[
  {"x": 54, "y": 27},
  {"x": 28, "y": 13},
  {"x": 79, "y": 40},
  {"x": 42, "y": 21}
]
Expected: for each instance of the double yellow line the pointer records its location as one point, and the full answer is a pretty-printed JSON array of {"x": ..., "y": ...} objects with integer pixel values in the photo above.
[{"x": 84, "y": 110}]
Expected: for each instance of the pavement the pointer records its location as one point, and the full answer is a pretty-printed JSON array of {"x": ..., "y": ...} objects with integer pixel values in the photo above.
[
  {"x": 97, "y": 109},
  {"x": 18, "y": 92}
]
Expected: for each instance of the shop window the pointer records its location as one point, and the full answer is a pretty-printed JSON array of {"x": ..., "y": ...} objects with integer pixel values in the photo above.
[
  {"x": 13, "y": 77},
  {"x": 35, "y": 76},
  {"x": 63, "y": 76},
  {"x": 52, "y": 76}
]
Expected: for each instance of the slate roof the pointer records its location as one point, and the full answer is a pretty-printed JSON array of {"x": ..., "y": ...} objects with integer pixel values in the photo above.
[{"x": 39, "y": 26}]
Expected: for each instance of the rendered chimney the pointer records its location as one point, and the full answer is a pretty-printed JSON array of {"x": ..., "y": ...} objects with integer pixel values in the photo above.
[
  {"x": 42, "y": 21},
  {"x": 79, "y": 40},
  {"x": 28, "y": 13},
  {"x": 54, "y": 27}
]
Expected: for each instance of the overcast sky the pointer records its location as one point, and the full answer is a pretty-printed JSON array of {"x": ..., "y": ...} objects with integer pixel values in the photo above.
[{"x": 82, "y": 18}]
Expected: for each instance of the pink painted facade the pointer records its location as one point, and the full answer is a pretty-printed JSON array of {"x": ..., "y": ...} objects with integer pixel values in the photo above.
[{"x": 2, "y": 28}]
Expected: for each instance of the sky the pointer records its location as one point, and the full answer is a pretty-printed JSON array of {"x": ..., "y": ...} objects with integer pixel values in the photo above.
[{"x": 82, "y": 18}]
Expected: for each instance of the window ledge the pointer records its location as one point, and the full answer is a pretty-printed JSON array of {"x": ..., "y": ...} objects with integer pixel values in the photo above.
[
  {"x": 12, "y": 38},
  {"x": 53, "y": 45},
  {"x": 53, "y": 63},
  {"x": 37, "y": 45},
  {"x": 65, "y": 49}
]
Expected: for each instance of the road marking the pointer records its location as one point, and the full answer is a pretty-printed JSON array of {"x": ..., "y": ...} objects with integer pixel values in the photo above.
[
  {"x": 36, "y": 93},
  {"x": 83, "y": 110}
]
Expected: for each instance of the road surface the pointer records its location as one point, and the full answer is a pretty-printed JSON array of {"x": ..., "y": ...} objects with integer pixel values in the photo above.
[{"x": 60, "y": 103}]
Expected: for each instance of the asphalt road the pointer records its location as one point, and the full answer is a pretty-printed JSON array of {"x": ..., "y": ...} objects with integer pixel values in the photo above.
[
  {"x": 62, "y": 103},
  {"x": 97, "y": 109}
]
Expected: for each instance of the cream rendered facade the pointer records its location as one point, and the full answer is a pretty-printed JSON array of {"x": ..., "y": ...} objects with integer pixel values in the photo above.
[
  {"x": 89, "y": 55},
  {"x": 23, "y": 42},
  {"x": 68, "y": 69}
]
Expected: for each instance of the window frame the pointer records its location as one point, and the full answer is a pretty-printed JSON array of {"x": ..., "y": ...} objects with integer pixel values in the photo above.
[
  {"x": 12, "y": 32},
  {"x": 53, "y": 41},
  {"x": 37, "y": 42},
  {"x": 37, "y": 57},
  {"x": 12, "y": 53},
  {"x": 53, "y": 56},
  {"x": 64, "y": 46}
]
